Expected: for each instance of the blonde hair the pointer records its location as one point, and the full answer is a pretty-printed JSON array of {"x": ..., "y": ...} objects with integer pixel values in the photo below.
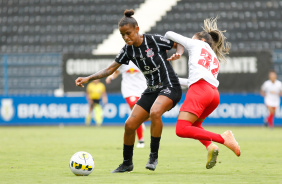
[{"x": 215, "y": 38}]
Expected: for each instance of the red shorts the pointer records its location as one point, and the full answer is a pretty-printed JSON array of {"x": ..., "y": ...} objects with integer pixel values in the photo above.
[
  {"x": 201, "y": 99},
  {"x": 131, "y": 101}
]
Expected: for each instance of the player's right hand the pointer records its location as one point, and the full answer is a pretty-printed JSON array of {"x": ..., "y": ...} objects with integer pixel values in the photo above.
[
  {"x": 174, "y": 57},
  {"x": 109, "y": 79},
  {"x": 81, "y": 80}
]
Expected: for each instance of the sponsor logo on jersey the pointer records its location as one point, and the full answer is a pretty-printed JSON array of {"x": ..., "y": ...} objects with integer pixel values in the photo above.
[
  {"x": 150, "y": 71},
  {"x": 150, "y": 52},
  {"x": 132, "y": 71},
  {"x": 166, "y": 91},
  {"x": 147, "y": 67},
  {"x": 142, "y": 58}
]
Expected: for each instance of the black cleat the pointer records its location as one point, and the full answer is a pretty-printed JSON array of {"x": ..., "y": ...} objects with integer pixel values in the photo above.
[
  {"x": 123, "y": 168},
  {"x": 152, "y": 163}
]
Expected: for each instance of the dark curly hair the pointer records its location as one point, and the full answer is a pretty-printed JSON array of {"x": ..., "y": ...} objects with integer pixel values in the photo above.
[{"x": 128, "y": 19}]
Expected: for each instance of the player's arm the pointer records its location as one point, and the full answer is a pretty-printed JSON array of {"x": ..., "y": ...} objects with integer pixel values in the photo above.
[
  {"x": 104, "y": 97},
  {"x": 88, "y": 97},
  {"x": 178, "y": 38},
  {"x": 101, "y": 74},
  {"x": 112, "y": 77},
  {"x": 183, "y": 82},
  {"x": 179, "y": 51},
  {"x": 262, "y": 90},
  {"x": 262, "y": 93}
]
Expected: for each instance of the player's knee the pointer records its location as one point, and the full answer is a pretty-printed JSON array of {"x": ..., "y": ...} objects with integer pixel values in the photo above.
[
  {"x": 129, "y": 126},
  {"x": 180, "y": 126},
  {"x": 155, "y": 113}
]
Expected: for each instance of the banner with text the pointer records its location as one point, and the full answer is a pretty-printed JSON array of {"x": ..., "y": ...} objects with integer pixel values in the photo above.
[
  {"x": 234, "y": 109},
  {"x": 243, "y": 71},
  {"x": 81, "y": 65}
]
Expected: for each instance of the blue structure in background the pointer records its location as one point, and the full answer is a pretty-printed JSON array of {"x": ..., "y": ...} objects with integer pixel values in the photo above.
[
  {"x": 234, "y": 109},
  {"x": 30, "y": 74}
]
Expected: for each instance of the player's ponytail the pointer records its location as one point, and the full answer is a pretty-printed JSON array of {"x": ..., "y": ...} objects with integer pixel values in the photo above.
[
  {"x": 215, "y": 38},
  {"x": 128, "y": 19}
]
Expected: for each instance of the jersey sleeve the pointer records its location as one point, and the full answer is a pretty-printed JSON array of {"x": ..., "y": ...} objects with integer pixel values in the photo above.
[
  {"x": 162, "y": 42},
  {"x": 122, "y": 57},
  {"x": 188, "y": 43}
]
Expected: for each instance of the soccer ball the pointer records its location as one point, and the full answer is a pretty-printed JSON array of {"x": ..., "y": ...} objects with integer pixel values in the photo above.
[{"x": 82, "y": 163}]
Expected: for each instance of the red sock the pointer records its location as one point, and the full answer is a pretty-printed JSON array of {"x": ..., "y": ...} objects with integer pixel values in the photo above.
[
  {"x": 139, "y": 132},
  {"x": 270, "y": 120},
  {"x": 186, "y": 130},
  {"x": 198, "y": 124}
]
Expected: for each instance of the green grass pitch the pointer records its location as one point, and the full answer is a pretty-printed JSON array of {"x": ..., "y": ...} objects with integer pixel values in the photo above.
[{"x": 42, "y": 155}]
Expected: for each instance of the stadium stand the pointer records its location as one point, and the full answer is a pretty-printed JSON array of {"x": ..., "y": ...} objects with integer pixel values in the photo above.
[
  {"x": 73, "y": 26},
  {"x": 31, "y": 74},
  {"x": 251, "y": 25},
  {"x": 78, "y": 26}
]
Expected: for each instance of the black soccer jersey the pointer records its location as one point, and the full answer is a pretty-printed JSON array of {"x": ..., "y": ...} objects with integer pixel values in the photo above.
[{"x": 151, "y": 58}]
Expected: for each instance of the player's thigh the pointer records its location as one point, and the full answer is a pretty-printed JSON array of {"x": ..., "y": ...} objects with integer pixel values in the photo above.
[
  {"x": 137, "y": 117},
  {"x": 271, "y": 109},
  {"x": 161, "y": 105},
  {"x": 188, "y": 116}
]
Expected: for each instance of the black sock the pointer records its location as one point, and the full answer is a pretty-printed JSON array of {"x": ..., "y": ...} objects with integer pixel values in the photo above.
[
  {"x": 127, "y": 154},
  {"x": 155, "y": 143}
]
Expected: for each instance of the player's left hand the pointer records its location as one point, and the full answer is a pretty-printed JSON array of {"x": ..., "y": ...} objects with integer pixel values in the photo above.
[{"x": 174, "y": 57}]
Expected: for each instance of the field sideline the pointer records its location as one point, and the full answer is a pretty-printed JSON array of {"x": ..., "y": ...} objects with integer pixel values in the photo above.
[{"x": 42, "y": 154}]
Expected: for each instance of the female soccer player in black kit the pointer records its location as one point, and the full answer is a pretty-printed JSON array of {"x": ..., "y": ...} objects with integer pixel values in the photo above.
[{"x": 148, "y": 53}]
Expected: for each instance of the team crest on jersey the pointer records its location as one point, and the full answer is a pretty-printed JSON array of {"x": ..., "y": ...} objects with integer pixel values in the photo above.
[{"x": 150, "y": 52}]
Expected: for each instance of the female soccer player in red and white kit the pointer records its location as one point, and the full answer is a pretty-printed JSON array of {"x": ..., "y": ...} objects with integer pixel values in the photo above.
[
  {"x": 133, "y": 84},
  {"x": 205, "y": 50},
  {"x": 271, "y": 90}
]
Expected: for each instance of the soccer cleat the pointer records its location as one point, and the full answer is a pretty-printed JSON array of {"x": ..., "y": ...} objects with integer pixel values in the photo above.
[
  {"x": 152, "y": 163},
  {"x": 123, "y": 168},
  {"x": 212, "y": 155},
  {"x": 140, "y": 144},
  {"x": 230, "y": 142}
]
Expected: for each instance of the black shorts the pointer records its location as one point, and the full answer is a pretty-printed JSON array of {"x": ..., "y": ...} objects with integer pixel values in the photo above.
[
  {"x": 147, "y": 99},
  {"x": 96, "y": 101}
]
